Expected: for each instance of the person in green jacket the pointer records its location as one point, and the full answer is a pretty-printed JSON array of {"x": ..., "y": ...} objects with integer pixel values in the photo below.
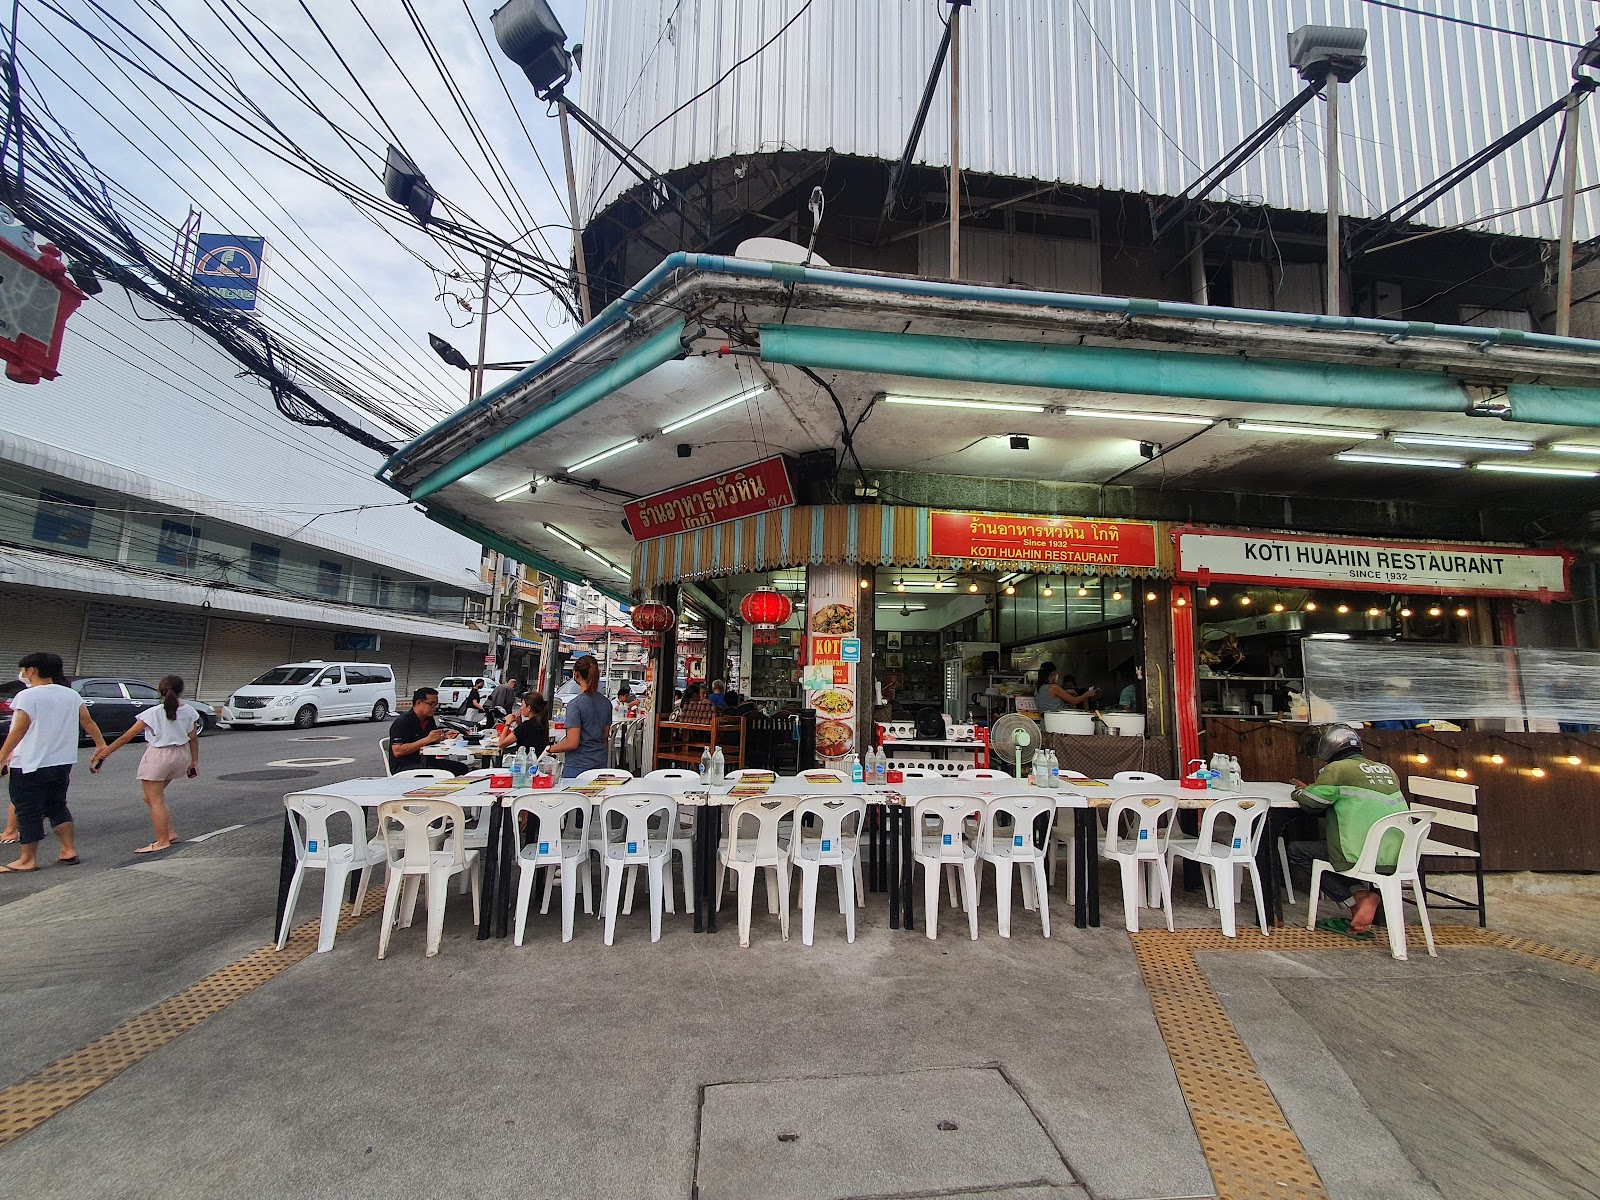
[{"x": 1353, "y": 792}]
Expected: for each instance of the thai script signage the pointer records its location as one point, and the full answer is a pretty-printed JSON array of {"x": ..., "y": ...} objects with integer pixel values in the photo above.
[
  {"x": 1055, "y": 541},
  {"x": 1370, "y": 565},
  {"x": 758, "y": 488}
]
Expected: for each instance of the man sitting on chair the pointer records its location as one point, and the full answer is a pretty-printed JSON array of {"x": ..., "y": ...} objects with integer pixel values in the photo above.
[
  {"x": 414, "y": 729},
  {"x": 1354, "y": 793}
]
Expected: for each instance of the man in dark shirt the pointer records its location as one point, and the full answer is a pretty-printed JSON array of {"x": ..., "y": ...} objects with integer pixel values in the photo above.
[
  {"x": 504, "y": 698},
  {"x": 411, "y": 731}
]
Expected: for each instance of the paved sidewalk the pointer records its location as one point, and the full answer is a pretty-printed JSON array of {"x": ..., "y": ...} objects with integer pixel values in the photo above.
[{"x": 896, "y": 1066}]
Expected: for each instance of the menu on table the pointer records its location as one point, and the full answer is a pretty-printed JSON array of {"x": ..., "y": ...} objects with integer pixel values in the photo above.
[
  {"x": 750, "y": 787},
  {"x": 820, "y": 777},
  {"x": 595, "y": 786},
  {"x": 444, "y": 787}
]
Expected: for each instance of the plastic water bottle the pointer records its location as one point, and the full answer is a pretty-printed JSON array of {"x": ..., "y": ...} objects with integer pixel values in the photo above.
[
  {"x": 718, "y": 767},
  {"x": 856, "y": 773},
  {"x": 883, "y": 767},
  {"x": 1055, "y": 769},
  {"x": 705, "y": 765},
  {"x": 1237, "y": 772}
]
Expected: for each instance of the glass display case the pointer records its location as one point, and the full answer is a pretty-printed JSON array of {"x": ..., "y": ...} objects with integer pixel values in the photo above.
[{"x": 773, "y": 655}]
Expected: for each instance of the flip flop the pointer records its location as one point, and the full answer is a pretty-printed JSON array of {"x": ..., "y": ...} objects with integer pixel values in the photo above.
[
  {"x": 152, "y": 848},
  {"x": 1341, "y": 926},
  {"x": 73, "y": 861},
  {"x": 8, "y": 869}
]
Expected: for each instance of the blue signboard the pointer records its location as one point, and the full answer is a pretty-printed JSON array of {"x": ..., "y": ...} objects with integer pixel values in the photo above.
[
  {"x": 227, "y": 269},
  {"x": 850, "y": 650}
]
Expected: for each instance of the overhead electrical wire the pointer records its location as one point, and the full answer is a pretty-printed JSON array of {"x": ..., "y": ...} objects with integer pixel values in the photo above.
[{"x": 1454, "y": 20}]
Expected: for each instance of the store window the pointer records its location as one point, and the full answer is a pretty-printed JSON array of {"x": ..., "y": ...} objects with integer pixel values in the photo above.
[
  {"x": 63, "y": 519},
  {"x": 382, "y": 591},
  {"x": 419, "y": 599},
  {"x": 264, "y": 562},
  {"x": 179, "y": 545},
  {"x": 330, "y": 578}
]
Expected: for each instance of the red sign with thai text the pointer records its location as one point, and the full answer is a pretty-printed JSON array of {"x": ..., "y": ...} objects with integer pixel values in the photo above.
[
  {"x": 1057, "y": 541},
  {"x": 743, "y": 492}
]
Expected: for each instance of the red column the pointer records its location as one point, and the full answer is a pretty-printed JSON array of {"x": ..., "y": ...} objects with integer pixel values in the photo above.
[{"x": 1186, "y": 700}]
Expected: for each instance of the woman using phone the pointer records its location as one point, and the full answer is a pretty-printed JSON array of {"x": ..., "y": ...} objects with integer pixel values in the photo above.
[{"x": 172, "y": 749}]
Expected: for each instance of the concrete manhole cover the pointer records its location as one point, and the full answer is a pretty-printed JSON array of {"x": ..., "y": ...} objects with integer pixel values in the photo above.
[
  {"x": 310, "y": 762},
  {"x": 943, "y": 1132},
  {"x": 266, "y": 776},
  {"x": 322, "y": 737}
]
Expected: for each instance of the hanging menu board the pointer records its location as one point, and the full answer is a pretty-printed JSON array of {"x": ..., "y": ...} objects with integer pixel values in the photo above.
[{"x": 829, "y": 677}]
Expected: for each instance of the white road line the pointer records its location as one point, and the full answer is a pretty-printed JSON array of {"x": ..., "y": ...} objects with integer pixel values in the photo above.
[{"x": 205, "y": 837}]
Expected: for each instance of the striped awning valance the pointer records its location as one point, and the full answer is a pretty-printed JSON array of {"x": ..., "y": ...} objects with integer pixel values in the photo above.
[{"x": 818, "y": 534}]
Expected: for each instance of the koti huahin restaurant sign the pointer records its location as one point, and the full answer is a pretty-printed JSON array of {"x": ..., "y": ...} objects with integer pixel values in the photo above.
[{"x": 1236, "y": 557}]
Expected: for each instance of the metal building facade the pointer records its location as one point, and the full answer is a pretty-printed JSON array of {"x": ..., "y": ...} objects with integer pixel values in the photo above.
[{"x": 1127, "y": 95}]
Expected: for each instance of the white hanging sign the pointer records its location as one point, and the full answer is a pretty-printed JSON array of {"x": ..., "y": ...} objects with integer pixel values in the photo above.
[{"x": 1231, "y": 556}]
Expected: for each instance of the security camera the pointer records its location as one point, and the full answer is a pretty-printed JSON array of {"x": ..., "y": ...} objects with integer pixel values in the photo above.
[{"x": 533, "y": 489}]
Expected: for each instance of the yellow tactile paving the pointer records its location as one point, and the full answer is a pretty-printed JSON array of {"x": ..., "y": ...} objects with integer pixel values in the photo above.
[
  {"x": 1252, "y": 1152},
  {"x": 29, "y": 1103}
]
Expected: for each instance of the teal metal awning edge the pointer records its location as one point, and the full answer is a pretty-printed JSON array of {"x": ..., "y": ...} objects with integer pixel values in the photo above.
[{"x": 516, "y": 550}]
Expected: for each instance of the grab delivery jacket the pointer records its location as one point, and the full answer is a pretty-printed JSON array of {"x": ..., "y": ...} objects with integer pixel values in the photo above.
[{"x": 1355, "y": 793}]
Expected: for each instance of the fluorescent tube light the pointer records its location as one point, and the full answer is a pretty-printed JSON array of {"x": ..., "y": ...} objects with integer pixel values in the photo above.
[
  {"x": 989, "y": 405},
  {"x": 748, "y": 394},
  {"x": 520, "y": 490},
  {"x": 1154, "y": 418},
  {"x": 604, "y": 454},
  {"x": 1521, "y": 469},
  {"x": 619, "y": 571},
  {"x": 565, "y": 537},
  {"x": 1329, "y": 637},
  {"x": 603, "y": 561},
  {"x": 1463, "y": 443},
  {"x": 1322, "y": 431},
  {"x": 898, "y": 607},
  {"x": 1400, "y": 460},
  {"x": 1574, "y": 448}
]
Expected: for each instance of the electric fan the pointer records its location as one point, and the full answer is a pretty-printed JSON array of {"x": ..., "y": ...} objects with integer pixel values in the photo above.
[{"x": 1015, "y": 736}]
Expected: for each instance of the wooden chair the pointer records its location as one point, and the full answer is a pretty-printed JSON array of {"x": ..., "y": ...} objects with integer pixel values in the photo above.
[{"x": 1436, "y": 794}]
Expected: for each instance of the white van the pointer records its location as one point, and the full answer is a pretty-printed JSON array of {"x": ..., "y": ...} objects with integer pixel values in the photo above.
[{"x": 301, "y": 694}]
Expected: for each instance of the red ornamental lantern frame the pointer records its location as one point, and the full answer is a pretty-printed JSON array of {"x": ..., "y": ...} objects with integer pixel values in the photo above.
[
  {"x": 39, "y": 299},
  {"x": 766, "y": 608},
  {"x": 653, "y": 618}
]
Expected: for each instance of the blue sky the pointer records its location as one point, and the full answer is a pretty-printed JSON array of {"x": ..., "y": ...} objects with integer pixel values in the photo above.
[{"x": 334, "y": 280}]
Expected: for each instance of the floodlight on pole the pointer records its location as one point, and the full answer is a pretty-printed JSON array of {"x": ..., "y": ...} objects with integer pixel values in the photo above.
[
  {"x": 448, "y": 352},
  {"x": 405, "y": 185}
]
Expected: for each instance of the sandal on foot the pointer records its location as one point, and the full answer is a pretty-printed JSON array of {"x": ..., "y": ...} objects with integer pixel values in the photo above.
[
  {"x": 1341, "y": 926},
  {"x": 155, "y": 848},
  {"x": 70, "y": 860},
  {"x": 10, "y": 869}
]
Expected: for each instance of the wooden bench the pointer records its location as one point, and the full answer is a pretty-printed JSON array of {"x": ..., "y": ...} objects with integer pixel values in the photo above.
[
  {"x": 1462, "y": 814},
  {"x": 681, "y": 743}
]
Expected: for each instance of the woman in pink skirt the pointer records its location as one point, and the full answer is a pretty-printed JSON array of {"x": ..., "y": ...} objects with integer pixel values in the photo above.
[{"x": 172, "y": 749}]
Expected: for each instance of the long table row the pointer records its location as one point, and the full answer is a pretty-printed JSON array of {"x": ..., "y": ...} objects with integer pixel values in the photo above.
[{"x": 888, "y": 829}]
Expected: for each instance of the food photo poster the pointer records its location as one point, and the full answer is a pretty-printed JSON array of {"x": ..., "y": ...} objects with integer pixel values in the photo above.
[{"x": 830, "y": 675}]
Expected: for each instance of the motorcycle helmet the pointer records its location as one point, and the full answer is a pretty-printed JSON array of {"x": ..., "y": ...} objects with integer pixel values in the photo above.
[{"x": 1327, "y": 743}]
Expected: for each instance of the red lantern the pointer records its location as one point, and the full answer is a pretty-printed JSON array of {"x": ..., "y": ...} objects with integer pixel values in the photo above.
[
  {"x": 37, "y": 300},
  {"x": 765, "y": 607},
  {"x": 653, "y": 618}
]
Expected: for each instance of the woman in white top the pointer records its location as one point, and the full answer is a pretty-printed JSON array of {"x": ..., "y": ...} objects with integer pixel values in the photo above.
[{"x": 172, "y": 749}]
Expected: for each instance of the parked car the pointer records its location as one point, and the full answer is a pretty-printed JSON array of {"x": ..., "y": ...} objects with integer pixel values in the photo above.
[
  {"x": 302, "y": 694},
  {"x": 8, "y": 690},
  {"x": 115, "y": 703},
  {"x": 453, "y": 692}
]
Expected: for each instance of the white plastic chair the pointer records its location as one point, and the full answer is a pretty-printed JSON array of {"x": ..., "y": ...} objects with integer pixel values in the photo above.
[
  {"x": 982, "y": 773},
  {"x": 599, "y": 774},
  {"x": 1221, "y": 863},
  {"x": 557, "y": 843},
  {"x": 756, "y": 774},
  {"x": 745, "y": 854},
  {"x": 404, "y": 828},
  {"x": 833, "y": 843},
  {"x": 422, "y": 773},
  {"x": 383, "y": 749},
  {"x": 1136, "y": 777},
  {"x": 941, "y": 842},
  {"x": 1016, "y": 842},
  {"x": 673, "y": 774},
  {"x": 1144, "y": 848},
  {"x": 638, "y": 842},
  {"x": 1412, "y": 825},
  {"x": 315, "y": 850}
]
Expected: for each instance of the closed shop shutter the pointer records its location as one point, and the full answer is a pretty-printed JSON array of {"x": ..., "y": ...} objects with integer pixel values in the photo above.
[
  {"x": 142, "y": 643},
  {"x": 50, "y": 624},
  {"x": 239, "y": 651},
  {"x": 430, "y": 662},
  {"x": 469, "y": 660},
  {"x": 311, "y": 644}
]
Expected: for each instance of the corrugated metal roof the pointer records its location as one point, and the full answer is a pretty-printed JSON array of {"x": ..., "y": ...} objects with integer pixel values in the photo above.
[
  {"x": 1127, "y": 95},
  {"x": 58, "y": 573}
]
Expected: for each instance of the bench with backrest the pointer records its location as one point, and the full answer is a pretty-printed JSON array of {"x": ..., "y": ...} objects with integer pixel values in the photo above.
[{"x": 1457, "y": 807}]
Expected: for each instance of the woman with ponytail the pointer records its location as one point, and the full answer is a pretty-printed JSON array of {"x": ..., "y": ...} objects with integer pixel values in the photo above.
[
  {"x": 588, "y": 720},
  {"x": 172, "y": 749}
]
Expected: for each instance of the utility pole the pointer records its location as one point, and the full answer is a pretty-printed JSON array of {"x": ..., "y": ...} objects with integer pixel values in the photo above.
[
  {"x": 1569, "y": 189},
  {"x": 572, "y": 202},
  {"x": 955, "y": 138},
  {"x": 483, "y": 328},
  {"x": 1334, "y": 305}
]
